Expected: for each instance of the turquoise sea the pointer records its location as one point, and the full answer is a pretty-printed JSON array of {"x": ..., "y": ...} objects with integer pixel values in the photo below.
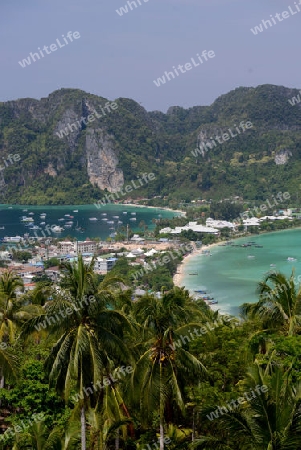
[
  {"x": 232, "y": 273},
  {"x": 118, "y": 215}
]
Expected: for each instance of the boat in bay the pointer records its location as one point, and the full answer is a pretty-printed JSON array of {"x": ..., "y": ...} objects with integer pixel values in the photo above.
[{"x": 57, "y": 229}]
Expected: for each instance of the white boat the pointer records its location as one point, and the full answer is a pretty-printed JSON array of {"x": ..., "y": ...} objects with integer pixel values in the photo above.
[
  {"x": 75, "y": 210},
  {"x": 42, "y": 223},
  {"x": 61, "y": 220},
  {"x": 57, "y": 229},
  {"x": 103, "y": 214},
  {"x": 115, "y": 217},
  {"x": 251, "y": 256},
  {"x": 124, "y": 212},
  {"x": 67, "y": 215},
  {"x": 27, "y": 219},
  {"x": 133, "y": 218},
  {"x": 31, "y": 214},
  {"x": 93, "y": 219},
  {"x": 35, "y": 227},
  {"x": 2, "y": 228},
  {"x": 110, "y": 221},
  {"x": 12, "y": 239},
  {"x": 133, "y": 214},
  {"x": 104, "y": 219},
  {"x": 291, "y": 259}
]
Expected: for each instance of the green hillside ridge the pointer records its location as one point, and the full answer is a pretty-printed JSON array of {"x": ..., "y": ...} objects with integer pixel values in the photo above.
[{"x": 53, "y": 170}]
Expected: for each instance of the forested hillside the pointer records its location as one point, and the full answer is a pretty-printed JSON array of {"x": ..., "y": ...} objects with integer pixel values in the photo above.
[{"x": 100, "y": 156}]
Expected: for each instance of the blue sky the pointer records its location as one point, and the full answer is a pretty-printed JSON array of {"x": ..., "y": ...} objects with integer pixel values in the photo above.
[{"x": 120, "y": 56}]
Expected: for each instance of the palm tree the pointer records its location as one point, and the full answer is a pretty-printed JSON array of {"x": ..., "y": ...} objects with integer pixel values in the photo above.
[
  {"x": 8, "y": 363},
  {"x": 40, "y": 437},
  {"x": 159, "y": 371},
  {"x": 108, "y": 418},
  {"x": 269, "y": 421},
  {"x": 89, "y": 335},
  {"x": 279, "y": 305},
  {"x": 13, "y": 311},
  {"x": 42, "y": 292}
]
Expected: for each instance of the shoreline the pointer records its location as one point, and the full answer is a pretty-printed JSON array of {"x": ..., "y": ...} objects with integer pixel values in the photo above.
[
  {"x": 179, "y": 275},
  {"x": 183, "y": 213}
]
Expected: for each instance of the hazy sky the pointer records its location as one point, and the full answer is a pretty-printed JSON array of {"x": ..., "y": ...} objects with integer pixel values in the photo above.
[{"x": 120, "y": 56}]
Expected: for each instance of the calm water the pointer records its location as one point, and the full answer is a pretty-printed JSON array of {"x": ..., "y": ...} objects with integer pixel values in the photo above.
[
  {"x": 11, "y": 219},
  {"x": 232, "y": 277}
]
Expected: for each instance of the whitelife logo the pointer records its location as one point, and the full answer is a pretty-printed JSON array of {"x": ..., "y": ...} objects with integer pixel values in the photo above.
[
  {"x": 83, "y": 120},
  {"x": 124, "y": 9},
  {"x": 259, "y": 389},
  {"x": 285, "y": 15},
  {"x": 53, "y": 48},
  {"x": 10, "y": 160},
  {"x": 188, "y": 66},
  {"x": 145, "y": 178},
  {"x": 203, "y": 148},
  {"x": 295, "y": 100}
]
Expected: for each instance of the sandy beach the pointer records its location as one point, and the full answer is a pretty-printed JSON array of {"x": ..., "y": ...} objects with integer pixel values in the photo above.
[
  {"x": 179, "y": 276},
  {"x": 182, "y": 213}
]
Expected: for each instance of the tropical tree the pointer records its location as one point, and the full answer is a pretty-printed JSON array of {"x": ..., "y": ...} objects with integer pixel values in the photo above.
[
  {"x": 89, "y": 335},
  {"x": 42, "y": 292},
  {"x": 40, "y": 437},
  {"x": 10, "y": 307},
  {"x": 159, "y": 372},
  {"x": 13, "y": 312},
  {"x": 269, "y": 419},
  {"x": 279, "y": 305}
]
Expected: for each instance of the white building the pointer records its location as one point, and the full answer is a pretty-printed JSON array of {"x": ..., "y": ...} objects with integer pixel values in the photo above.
[
  {"x": 251, "y": 222},
  {"x": 190, "y": 226},
  {"x": 104, "y": 265},
  {"x": 66, "y": 247},
  {"x": 219, "y": 223},
  {"x": 85, "y": 246}
]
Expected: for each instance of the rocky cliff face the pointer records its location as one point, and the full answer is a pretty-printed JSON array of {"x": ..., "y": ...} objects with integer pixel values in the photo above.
[
  {"x": 99, "y": 148},
  {"x": 282, "y": 157},
  {"x": 102, "y": 161}
]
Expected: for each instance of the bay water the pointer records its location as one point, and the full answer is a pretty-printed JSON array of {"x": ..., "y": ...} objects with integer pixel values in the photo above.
[
  {"x": 231, "y": 274},
  {"x": 118, "y": 215}
]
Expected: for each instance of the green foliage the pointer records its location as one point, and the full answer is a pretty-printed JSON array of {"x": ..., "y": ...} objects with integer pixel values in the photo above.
[
  {"x": 54, "y": 170},
  {"x": 21, "y": 256},
  {"x": 177, "y": 377},
  {"x": 32, "y": 394},
  {"x": 51, "y": 262},
  {"x": 225, "y": 210}
]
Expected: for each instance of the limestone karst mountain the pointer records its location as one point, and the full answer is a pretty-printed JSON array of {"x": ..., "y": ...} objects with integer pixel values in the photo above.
[{"x": 75, "y": 146}]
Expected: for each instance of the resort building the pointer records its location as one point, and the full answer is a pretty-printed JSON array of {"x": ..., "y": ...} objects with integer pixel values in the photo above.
[
  {"x": 190, "y": 226},
  {"x": 85, "y": 246},
  {"x": 219, "y": 224}
]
